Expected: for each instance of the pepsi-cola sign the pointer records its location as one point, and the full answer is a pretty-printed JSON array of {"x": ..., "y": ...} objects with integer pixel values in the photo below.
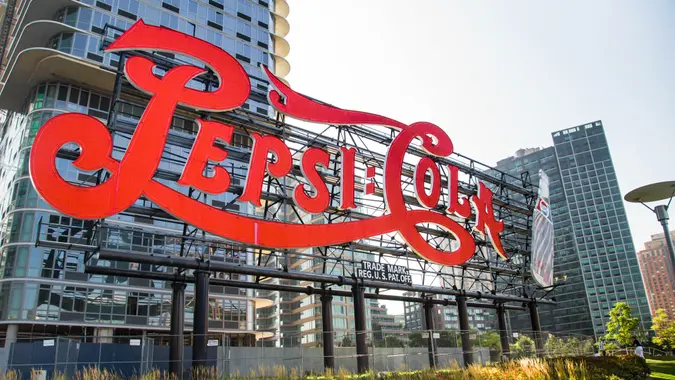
[{"x": 132, "y": 176}]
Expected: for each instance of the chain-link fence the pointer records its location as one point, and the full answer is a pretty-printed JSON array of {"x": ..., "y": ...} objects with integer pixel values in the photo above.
[{"x": 387, "y": 350}]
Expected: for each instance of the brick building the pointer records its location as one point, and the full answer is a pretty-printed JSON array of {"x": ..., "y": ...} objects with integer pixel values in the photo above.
[{"x": 659, "y": 282}]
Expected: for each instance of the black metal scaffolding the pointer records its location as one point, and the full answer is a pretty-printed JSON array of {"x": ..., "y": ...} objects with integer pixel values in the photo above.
[{"x": 194, "y": 256}]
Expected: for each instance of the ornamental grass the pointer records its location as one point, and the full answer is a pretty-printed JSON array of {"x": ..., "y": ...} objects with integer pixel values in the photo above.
[{"x": 571, "y": 368}]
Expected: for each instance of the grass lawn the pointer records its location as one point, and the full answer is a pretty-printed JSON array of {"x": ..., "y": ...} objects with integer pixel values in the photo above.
[{"x": 663, "y": 368}]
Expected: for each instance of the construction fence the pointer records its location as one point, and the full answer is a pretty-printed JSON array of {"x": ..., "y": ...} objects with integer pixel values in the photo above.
[{"x": 387, "y": 351}]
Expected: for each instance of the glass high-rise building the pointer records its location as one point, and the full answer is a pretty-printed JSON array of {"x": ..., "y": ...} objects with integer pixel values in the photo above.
[
  {"x": 52, "y": 63},
  {"x": 572, "y": 313},
  {"x": 595, "y": 258}
]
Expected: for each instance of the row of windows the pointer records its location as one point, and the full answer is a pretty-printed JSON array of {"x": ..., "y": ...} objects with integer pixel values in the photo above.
[
  {"x": 19, "y": 261},
  {"x": 33, "y": 301},
  {"x": 256, "y": 18},
  {"x": 26, "y": 261},
  {"x": 96, "y": 21},
  {"x": 604, "y": 304},
  {"x": 581, "y": 145},
  {"x": 587, "y": 130},
  {"x": 68, "y": 98},
  {"x": 22, "y": 227},
  {"x": 59, "y": 96}
]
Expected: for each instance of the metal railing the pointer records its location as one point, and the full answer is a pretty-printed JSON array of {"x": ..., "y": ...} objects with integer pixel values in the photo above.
[{"x": 234, "y": 354}]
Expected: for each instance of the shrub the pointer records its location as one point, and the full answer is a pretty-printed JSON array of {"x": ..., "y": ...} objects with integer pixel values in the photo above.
[
  {"x": 571, "y": 368},
  {"x": 524, "y": 346},
  {"x": 624, "y": 367}
]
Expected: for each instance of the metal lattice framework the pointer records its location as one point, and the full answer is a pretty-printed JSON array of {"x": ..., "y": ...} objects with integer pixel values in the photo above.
[
  {"x": 327, "y": 269},
  {"x": 485, "y": 272}
]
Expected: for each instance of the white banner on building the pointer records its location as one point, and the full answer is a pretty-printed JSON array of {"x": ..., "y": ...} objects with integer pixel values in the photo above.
[{"x": 542, "y": 236}]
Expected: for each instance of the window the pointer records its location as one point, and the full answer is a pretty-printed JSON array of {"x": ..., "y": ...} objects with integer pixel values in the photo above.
[
  {"x": 105, "y": 4},
  {"x": 215, "y": 19},
  {"x": 84, "y": 18},
  {"x": 99, "y": 22},
  {"x": 218, "y": 3},
  {"x": 128, "y": 9},
  {"x": 169, "y": 21},
  {"x": 244, "y": 31},
  {"x": 80, "y": 45},
  {"x": 243, "y": 52},
  {"x": 172, "y": 5}
]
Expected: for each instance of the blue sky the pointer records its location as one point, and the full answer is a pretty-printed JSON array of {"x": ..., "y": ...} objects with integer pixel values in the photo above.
[{"x": 499, "y": 76}]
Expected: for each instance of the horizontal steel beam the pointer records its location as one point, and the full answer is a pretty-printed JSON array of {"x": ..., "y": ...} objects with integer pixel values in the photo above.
[
  {"x": 284, "y": 288},
  {"x": 193, "y": 263}
]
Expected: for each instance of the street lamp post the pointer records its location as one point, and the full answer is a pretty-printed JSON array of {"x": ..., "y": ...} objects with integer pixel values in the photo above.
[{"x": 657, "y": 192}]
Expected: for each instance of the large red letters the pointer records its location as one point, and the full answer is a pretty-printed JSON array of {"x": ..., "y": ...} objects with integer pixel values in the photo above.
[
  {"x": 281, "y": 165},
  {"x": 203, "y": 151},
  {"x": 133, "y": 176},
  {"x": 347, "y": 173},
  {"x": 319, "y": 202}
]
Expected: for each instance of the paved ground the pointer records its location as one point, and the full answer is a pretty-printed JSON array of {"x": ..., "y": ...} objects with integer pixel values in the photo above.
[{"x": 662, "y": 368}]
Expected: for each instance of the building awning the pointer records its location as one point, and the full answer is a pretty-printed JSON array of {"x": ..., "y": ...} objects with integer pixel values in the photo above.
[
  {"x": 36, "y": 65},
  {"x": 281, "y": 8},
  {"x": 263, "y": 334},
  {"x": 45, "y": 10},
  {"x": 281, "y": 66},
  {"x": 281, "y": 46},
  {"x": 262, "y": 302},
  {"x": 37, "y": 34},
  {"x": 281, "y": 26}
]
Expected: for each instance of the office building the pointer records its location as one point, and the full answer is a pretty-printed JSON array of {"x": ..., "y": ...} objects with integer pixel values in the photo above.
[
  {"x": 572, "y": 313},
  {"x": 655, "y": 263},
  {"x": 446, "y": 317},
  {"x": 52, "y": 63},
  {"x": 595, "y": 265}
]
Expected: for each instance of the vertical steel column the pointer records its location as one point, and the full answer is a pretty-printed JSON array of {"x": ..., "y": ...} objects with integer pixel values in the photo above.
[
  {"x": 200, "y": 324},
  {"x": 536, "y": 327},
  {"x": 360, "y": 326},
  {"x": 662, "y": 215},
  {"x": 328, "y": 335},
  {"x": 464, "y": 330},
  {"x": 176, "y": 342},
  {"x": 503, "y": 332},
  {"x": 429, "y": 319}
]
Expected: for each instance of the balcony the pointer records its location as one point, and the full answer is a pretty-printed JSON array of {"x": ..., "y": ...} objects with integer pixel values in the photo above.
[
  {"x": 36, "y": 10},
  {"x": 281, "y": 46}
]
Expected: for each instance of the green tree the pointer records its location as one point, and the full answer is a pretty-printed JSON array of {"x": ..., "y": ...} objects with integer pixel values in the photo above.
[
  {"x": 448, "y": 338},
  {"x": 587, "y": 347},
  {"x": 489, "y": 339},
  {"x": 416, "y": 340},
  {"x": 392, "y": 341},
  {"x": 554, "y": 346},
  {"x": 664, "y": 329},
  {"x": 346, "y": 342},
  {"x": 524, "y": 346},
  {"x": 378, "y": 332},
  {"x": 622, "y": 325},
  {"x": 572, "y": 346}
]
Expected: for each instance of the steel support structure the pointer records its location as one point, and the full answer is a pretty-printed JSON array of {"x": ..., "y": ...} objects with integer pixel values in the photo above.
[
  {"x": 177, "y": 341},
  {"x": 429, "y": 325},
  {"x": 328, "y": 333},
  {"x": 486, "y": 279},
  {"x": 192, "y": 263},
  {"x": 291, "y": 288},
  {"x": 201, "y": 314},
  {"x": 503, "y": 330},
  {"x": 536, "y": 328},
  {"x": 465, "y": 330},
  {"x": 360, "y": 327}
]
